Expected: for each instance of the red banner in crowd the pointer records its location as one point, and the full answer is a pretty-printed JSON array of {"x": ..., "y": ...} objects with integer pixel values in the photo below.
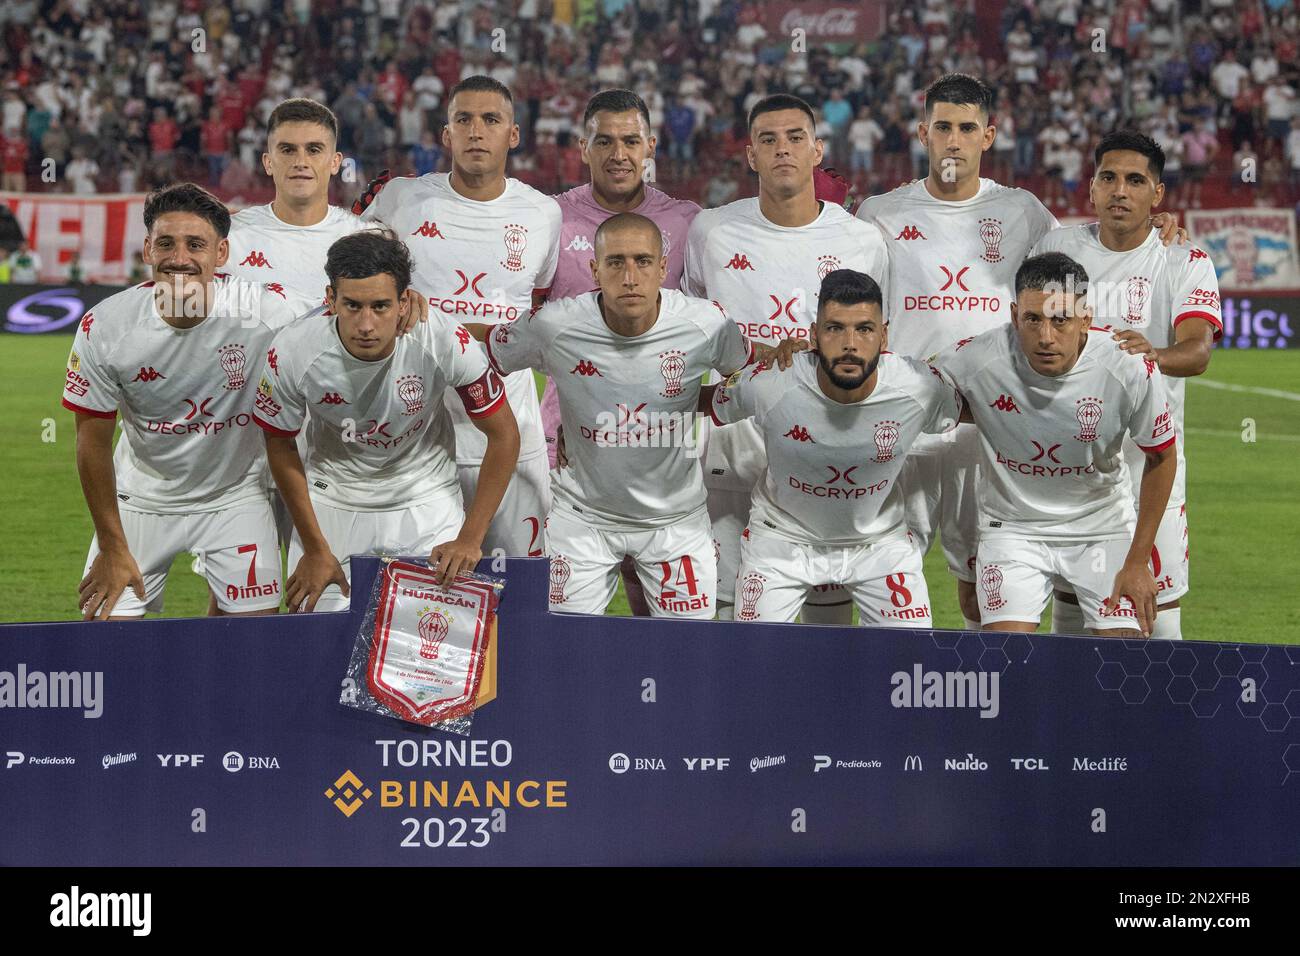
[
  {"x": 824, "y": 22},
  {"x": 105, "y": 231}
]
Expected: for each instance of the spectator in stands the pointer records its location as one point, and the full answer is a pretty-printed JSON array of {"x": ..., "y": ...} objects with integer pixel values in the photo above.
[
  {"x": 82, "y": 173},
  {"x": 216, "y": 145},
  {"x": 13, "y": 156},
  {"x": 24, "y": 265},
  {"x": 1293, "y": 152},
  {"x": 1199, "y": 149},
  {"x": 681, "y": 132},
  {"x": 425, "y": 155},
  {"x": 838, "y": 114}
]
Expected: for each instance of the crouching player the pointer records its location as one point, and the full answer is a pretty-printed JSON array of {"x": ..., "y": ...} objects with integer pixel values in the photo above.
[
  {"x": 627, "y": 363},
  {"x": 380, "y": 474},
  {"x": 175, "y": 356},
  {"x": 1053, "y": 401},
  {"x": 836, "y": 427}
]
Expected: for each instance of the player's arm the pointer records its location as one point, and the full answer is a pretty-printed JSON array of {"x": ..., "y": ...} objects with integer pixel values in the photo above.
[
  {"x": 502, "y": 433},
  {"x": 114, "y": 569},
  {"x": 478, "y": 330},
  {"x": 317, "y": 568},
  {"x": 1188, "y": 356},
  {"x": 1166, "y": 223},
  {"x": 1135, "y": 579},
  {"x": 781, "y": 354}
]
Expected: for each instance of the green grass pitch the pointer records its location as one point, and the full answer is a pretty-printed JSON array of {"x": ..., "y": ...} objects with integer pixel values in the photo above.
[{"x": 1243, "y": 447}]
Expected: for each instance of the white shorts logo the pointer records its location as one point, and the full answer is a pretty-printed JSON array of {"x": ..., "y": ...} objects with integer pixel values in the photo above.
[
  {"x": 560, "y": 572},
  {"x": 991, "y": 582},
  {"x": 750, "y": 592}
]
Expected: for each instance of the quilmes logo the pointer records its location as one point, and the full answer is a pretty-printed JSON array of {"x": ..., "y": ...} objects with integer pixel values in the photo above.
[
  {"x": 113, "y": 760},
  {"x": 762, "y": 763},
  {"x": 76, "y": 909},
  {"x": 922, "y": 688},
  {"x": 72, "y": 690}
]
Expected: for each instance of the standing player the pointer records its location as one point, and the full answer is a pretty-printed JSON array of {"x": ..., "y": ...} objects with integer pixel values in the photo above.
[
  {"x": 836, "y": 428},
  {"x": 627, "y": 362},
  {"x": 763, "y": 259},
  {"x": 380, "y": 473},
  {"x": 175, "y": 356},
  {"x": 1053, "y": 402},
  {"x": 484, "y": 247},
  {"x": 1162, "y": 302}
]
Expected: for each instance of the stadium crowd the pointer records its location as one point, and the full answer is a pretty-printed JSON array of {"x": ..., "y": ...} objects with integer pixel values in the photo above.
[{"x": 126, "y": 96}]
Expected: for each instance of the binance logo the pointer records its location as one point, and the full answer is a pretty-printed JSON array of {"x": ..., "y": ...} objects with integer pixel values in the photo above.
[{"x": 348, "y": 793}]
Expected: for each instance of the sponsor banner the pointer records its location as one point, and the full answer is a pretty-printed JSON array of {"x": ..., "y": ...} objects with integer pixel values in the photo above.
[
  {"x": 106, "y": 231},
  {"x": 1260, "y": 321},
  {"x": 39, "y": 309},
  {"x": 822, "y": 22},
  {"x": 1251, "y": 248}
]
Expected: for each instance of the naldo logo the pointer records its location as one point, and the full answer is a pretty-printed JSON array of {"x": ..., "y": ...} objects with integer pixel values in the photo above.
[{"x": 622, "y": 763}]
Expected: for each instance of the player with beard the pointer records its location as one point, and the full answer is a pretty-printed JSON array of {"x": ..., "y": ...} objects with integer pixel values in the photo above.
[
  {"x": 763, "y": 259},
  {"x": 836, "y": 428},
  {"x": 955, "y": 241},
  {"x": 484, "y": 248},
  {"x": 1162, "y": 302}
]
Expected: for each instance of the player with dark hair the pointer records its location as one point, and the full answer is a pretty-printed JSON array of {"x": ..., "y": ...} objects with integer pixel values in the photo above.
[
  {"x": 484, "y": 248},
  {"x": 174, "y": 355},
  {"x": 380, "y": 472},
  {"x": 1053, "y": 401},
  {"x": 836, "y": 428},
  {"x": 1161, "y": 302},
  {"x": 764, "y": 259}
]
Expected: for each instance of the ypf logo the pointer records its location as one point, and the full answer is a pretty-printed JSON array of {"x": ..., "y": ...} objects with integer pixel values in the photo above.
[{"x": 348, "y": 793}]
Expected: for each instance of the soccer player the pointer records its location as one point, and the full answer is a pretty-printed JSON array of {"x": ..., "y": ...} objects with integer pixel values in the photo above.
[
  {"x": 763, "y": 259},
  {"x": 627, "y": 361},
  {"x": 175, "y": 355},
  {"x": 1053, "y": 401},
  {"x": 836, "y": 428},
  {"x": 1162, "y": 302},
  {"x": 956, "y": 241},
  {"x": 380, "y": 474},
  {"x": 484, "y": 247}
]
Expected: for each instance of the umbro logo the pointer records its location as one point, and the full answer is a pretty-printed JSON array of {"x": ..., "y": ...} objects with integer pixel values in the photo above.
[
  {"x": 579, "y": 244},
  {"x": 740, "y": 262},
  {"x": 429, "y": 230},
  {"x": 799, "y": 433},
  {"x": 333, "y": 398},
  {"x": 910, "y": 232},
  {"x": 149, "y": 374},
  {"x": 256, "y": 258},
  {"x": 1005, "y": 403},
  {"x": 586, "y": 368}
]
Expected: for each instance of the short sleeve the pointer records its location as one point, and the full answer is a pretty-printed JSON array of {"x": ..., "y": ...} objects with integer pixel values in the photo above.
[
  {"x": 734, "y": 399},
  {"x": 1196, "y": 291},
  {"x": 1150, "y": 423},
  {"x": 512, "y": 346},
  {"x": 90, "y": 386},
  {"x": 280, "y": 405},
  {"x": 276, "y": 310},
  {"x": 1039, "y": 220},
  {"x": 943, "y": 399},
  {"x": 730, "y": 351},
  {"x": 546, "y": 276},
  {"x": 693, "y": 260}
]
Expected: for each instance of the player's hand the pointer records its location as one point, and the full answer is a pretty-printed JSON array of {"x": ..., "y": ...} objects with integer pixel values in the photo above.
[
  {"x": 453, "y": 557},
  {"x": 111, "y": 573},
  {"x": 1136, "y": 583},
  {"x": 316, "y": 571},
  {"x": 417, "y": 310},
  {"x": 561, "y": 459},
  {"x": 780, "y": 355},
  {"x": 1135, "y": 343},
  {"x": 1170, "y": 231}
]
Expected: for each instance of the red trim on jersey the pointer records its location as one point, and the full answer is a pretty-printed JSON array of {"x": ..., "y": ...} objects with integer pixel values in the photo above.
[
  {"x": 750, "y": 360},
  {"x": 278, "y": 432},
  {"x": 492, "y": 359},
  {"x": 484, "y": 382},
  {"x": 714, "y": 415},
  {"x": 542, "y": 294},
  {"x": 1214, "y": 320},
  {"x": 93, "y": 413},
  {"x": 1161, "y": 447}
]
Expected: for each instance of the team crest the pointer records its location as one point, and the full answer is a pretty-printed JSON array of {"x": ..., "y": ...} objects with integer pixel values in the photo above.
[
  {"x": 501, "y": 334},
  {"x": 516, "y": 241},
  {"x": 1136, "y": 295},
  {"x": 672, "y": 366},
  {"x": 560, "y": 572},
  {"x": 433, "y": 626},
  {"x": 991, "y": 582},
  {"x": 750, "y": 592},
  {"x": 991, "y": 236},
  {"x": 1089, "y": 414},
  {"x": 886, "y": 439},
  {"x": 410, "y": 389},
  {"x": 232, "y": 363},
  {"x": 826, "y": 265}
]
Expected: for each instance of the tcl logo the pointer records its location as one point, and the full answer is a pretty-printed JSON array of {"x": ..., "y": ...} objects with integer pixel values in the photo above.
[
  {"x": 707, "y": 763},
  {"x": 1029, "y": 763}
]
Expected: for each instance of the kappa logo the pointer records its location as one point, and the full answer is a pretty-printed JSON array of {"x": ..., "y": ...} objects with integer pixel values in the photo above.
[
  {"x": 740, "y": 262},
  {"x": 149, "y": 374},
  {"x": 333, "y": 398},
  {"x": 799, "y": 433},
  {"x": 276, "y": 288},
  {"x": 584, "y": 367},
  {"x": 760, "y": 367},
  {"x": 1005, "y": 403},
  {"x": 274, "y": 361},
  {"x": 429, "y": 230},
  {"x": 1196, "y": 254},
  {"x": 87, "y": 322},
  {"x": 962, "y": 343},
  {"x": 579, "y": 244},
  {"x": 954, "y": 277},
  {"x": 1150, "y": 366},
  {"x": 463, "y": 337},
  {"x": 467, "y": 283},
  {"x": 908, "y": 233},
  {"x": 257, "y": 260},
  {"x": 197, "y": 408},
  {"x": 1049, "y": 451}
]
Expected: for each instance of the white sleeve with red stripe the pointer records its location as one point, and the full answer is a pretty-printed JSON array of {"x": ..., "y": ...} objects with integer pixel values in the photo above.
[
  {"x": 1151, "y": 424},
  {"x": 1196, "y": 291},
  {"x": 480, "y": 389},
  {"x": 280, "y": 403},
  {"x": 731, "y": 350},
  {"x": 89, "y": 385},
  {"x": 514, "y": 346}
]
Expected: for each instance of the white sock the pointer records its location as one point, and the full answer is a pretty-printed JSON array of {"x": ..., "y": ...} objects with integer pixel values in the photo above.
[
  {"x": 726, "y": 612},
  {"x": 841, "y": 614},
  {"x": 1169, "y": 624},
  {"x": 971, "y": 625},
  {"x": 1067, "y": 618}
]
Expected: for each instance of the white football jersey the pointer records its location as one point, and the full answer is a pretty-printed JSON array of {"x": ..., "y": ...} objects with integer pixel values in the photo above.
[
  {"x": 628, "y": 405},
  {"x": 768, "y": 278},
  {"x": 478, "y": 262},
  {"x": 1051, "y": 462},
  {"x": 379, "y": 436},
  {"x": 188, "y": 441},
  {"x": 953, "y": 264},
  {"x": 1149, "y": 289},
  {"x": 832, "y": 469},
  {"x": 265, "y": 248}
]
